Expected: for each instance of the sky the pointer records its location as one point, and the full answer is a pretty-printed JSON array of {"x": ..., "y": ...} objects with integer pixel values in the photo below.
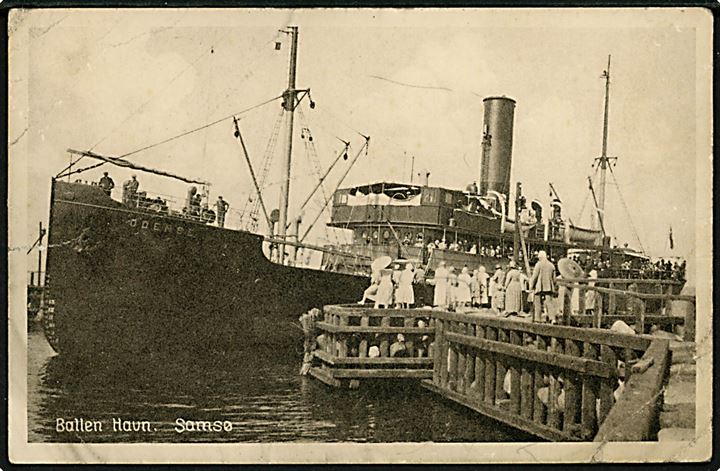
[{"x": 413, "y": 80}]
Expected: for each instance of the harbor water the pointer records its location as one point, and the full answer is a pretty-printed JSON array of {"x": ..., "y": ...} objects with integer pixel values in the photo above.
[{"x": 257, "y": 394}]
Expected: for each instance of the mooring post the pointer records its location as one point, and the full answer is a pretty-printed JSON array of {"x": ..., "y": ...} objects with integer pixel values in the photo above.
[{"x": 479, "y": 384}]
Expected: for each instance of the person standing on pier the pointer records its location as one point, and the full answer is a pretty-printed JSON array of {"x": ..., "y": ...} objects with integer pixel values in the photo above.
[
  {"x": 542, "y": 284},
  {"x": 513, "y": 290},
  {"x": 464, "y": 294},
  {"x": 405, "y": 295},
  {"x": 107, "y": 184},
  {"x": 497, "y": 289},
  {"x": 590, "y": 295},
  {"x": 441, "y": 286},
  {"x": 452, "y": 289},
  {"x": 222, "y": 207},
  {"x": 482, "y": 283},
  {"x": 384, "y": 295}
]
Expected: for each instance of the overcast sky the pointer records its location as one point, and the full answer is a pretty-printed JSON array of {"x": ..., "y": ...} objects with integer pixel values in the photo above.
[{"x": 115, "y": 81}]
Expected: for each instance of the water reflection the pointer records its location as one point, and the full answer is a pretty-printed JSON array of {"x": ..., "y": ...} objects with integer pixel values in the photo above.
[{"x": 259, "y": 392}]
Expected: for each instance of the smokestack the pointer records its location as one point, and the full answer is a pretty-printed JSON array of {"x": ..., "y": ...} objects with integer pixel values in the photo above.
[{"x": 496, "y": 157}]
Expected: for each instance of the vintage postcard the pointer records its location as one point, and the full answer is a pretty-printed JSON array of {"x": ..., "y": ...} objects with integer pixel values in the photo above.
[{"x": 360, "y": 235}]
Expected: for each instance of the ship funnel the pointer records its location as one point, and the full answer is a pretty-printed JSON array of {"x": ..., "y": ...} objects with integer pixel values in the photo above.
[{"x": 496, "y": 157}]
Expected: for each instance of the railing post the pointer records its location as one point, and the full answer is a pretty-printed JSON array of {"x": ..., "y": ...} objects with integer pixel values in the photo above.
[
  {"x": 607, "y": 386},
  {"x": 469, "y": 361},
  {"x": 588, "y": 417},
  {"x": 364, "y": 322},
  {"x": 452, "y": 359},
  {"x": 438, "y": 360},
  {"x": 527, "y": 389},
  {"x": 342, "y": 338},
  {"x": 460, "y": 372},
  {"x": 385, "y": 342},
  {"x": 553, "y": 416},
  {"x": 612, "y": 305},
  {"x": 538, "y": 410},
  {"x": 572, "y": 394},
  {"x": 502, "y": 336},
  {"x": 479, "y": 385},
  {"x": 515, "y": 391},
  {"x": 598, "y": 312},
  {"x": 640, "y": 316},
  {"x": 490, "y": 334}
]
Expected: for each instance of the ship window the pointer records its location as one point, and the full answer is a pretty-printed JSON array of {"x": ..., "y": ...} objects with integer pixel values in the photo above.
[
  {"x": 430, "y": 196},
  {"x": 375, "y": 234},
  {"x": 364, "y": 235},
  {"x": 341, "y": 198},
  {"x": 386, "y": 235},
  {"x": 448, "y": 198}
]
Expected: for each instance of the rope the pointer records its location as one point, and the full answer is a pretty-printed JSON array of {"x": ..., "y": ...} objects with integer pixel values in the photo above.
[
  {"x": 627, "y": 212},
  {"x": 200, "y": 128},
  {"x": 587, "y": 197}
]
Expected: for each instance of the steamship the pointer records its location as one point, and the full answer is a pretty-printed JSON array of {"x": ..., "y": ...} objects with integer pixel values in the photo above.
[{"x": 134, "y": 278}]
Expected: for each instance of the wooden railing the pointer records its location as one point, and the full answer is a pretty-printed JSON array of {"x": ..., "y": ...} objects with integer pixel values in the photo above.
[
  {"x": 356, "y": 342},
  {"x": 642, "y": 302},
  {"x": 555, "y": 382}
]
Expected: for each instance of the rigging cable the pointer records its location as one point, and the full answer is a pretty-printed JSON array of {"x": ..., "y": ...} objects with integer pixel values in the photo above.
[
  {"x": 178, "y": 136},
  {"x": 627, "y": 212},
  {"x": 266, "y": 164}
]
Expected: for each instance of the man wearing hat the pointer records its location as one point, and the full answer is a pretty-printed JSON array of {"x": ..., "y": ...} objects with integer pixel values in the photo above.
[
  {"x": 107, "y": 183},
  {"x": 542, "y": 284},
  {"x": 130, "y": 189},
  {"x": 222, "y": 207}
]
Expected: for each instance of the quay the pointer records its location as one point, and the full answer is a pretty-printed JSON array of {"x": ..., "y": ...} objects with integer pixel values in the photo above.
[{"x": 575, "y": 382}]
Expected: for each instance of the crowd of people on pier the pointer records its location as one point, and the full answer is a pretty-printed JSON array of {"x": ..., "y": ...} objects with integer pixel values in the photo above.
[{"x": 507, "y": 290}]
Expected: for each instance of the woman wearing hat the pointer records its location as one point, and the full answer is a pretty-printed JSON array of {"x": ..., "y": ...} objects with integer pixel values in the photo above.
[
  {"x": 513, "y": 290},
  {"x": 497, "y": 289},
  {"x": 384, "y": 295}
]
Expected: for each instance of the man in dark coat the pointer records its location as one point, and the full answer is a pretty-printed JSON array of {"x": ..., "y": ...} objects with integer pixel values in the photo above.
[
  {"x": 542, "y": 284},
  {"x": 107, "y": 183},
  {"x": 222, "y": 207}
]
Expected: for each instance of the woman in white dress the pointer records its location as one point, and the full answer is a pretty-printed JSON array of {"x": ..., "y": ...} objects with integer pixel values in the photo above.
[
  {"x": 513, "y": 290},
  {"x": 464, "y": 295},
  {"x": 482, "y": 281},
  {"x": 384, "y": 295},
  {"x": 441, "y": 286},
  {"x": 498, "y": 289},
  {"x": 452, "y": 288},
  {"x": 405, "y": 295}
]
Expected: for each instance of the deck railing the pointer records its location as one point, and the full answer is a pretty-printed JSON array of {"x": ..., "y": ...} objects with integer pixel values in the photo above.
[
  {"x": 642, "y": 302},
  {"x": 555, "y": 382}
]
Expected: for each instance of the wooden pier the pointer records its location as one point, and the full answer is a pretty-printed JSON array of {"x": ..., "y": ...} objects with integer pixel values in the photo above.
[
  {"x": 356, "y": 342},
  {"x": 557, "y": 382}
]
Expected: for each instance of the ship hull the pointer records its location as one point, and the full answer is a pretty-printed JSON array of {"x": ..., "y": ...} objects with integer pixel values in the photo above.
[{"x": 127, "y": 283}]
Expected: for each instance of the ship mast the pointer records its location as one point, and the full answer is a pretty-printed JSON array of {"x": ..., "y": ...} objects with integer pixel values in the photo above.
[
  {"x": 603, "y": 161},
  {"x": 289, "y": 104}
]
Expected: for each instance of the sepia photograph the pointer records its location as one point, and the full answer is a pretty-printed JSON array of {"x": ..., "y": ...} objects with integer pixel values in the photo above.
[{"x": 360, "y": 235}]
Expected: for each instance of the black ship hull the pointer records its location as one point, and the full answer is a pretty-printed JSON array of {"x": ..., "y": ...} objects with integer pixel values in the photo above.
[{"x": 129, "y": 283}]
